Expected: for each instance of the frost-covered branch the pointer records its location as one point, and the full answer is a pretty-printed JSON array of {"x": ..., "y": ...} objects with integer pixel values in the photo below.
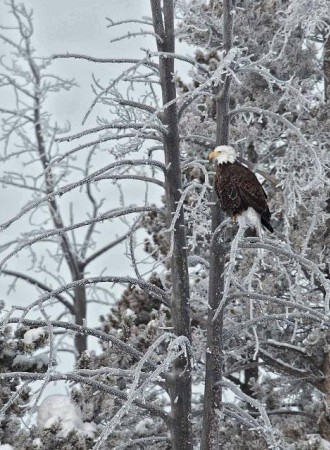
[
  {"x": 97, "y": 385},
  {"x": 104, "y": 60},
  {"x": 59, "y": 231},
  {"x": 38, "y": 284}
]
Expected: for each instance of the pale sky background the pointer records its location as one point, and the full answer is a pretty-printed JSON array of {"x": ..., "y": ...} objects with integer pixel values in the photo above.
[{"x": 79, "y": 26}]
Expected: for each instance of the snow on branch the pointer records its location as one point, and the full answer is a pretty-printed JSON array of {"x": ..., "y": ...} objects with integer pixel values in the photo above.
[
  {"x": 105, "y": 60},
  {"x": 82, "y": 329},
  {"x": 262, "y": 298},
  {"x": 131, "y": 34},
  {"x": 98, "y": 141}
]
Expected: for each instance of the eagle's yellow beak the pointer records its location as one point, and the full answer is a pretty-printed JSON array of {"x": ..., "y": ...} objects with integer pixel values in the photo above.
[{"x": 213, "y": 154}]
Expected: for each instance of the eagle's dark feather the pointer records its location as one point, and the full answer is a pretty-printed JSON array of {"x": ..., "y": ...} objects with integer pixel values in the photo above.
[{"x": 238, "y": 189}]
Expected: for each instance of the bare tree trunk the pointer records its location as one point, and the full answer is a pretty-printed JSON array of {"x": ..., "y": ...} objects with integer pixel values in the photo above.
[
  {"x": 214, "y": 354},
  {"x": 324, "y": 386},
  {"x": 80, "y": 307},
  {"x": 79, "y": 304},
  {"x": 179, "y": 382},
  {"x": 326, "y": 69}
]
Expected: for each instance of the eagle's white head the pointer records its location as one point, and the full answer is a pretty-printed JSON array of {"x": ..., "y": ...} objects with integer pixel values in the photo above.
[{"x": 223, "y": 154}]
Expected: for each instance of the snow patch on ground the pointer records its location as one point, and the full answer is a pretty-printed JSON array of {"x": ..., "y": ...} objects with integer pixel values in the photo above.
[
  {"x": 6, "y": 447},
  {"x": 61, "y": 409}
]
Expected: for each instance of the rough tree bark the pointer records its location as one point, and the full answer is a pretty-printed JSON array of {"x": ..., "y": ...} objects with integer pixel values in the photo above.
[
  {"x": 214, "y": 354},
  {"x": 179, "y": 381},
  {"x": 326, "y": 68},
  {"x": 324, "y": 385}
]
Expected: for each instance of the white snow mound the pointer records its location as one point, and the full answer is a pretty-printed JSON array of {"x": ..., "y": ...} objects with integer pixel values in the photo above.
[
  {"x": 33, "y": 335},
  {"x": 60, "y": 408}
]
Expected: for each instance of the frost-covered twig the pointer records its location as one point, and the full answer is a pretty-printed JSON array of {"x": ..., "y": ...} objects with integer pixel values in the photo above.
[
  {"x": 104, "y": 60},
  {"x": 135, "y": 391},
  {"x": 134, "y": 34},
  {"x": 89, "y": 179},
  {"x": 38, "y": 284},
  {"x": 267, "y": 428},
  {"x": 115, "y": 126},
  {"x": 158, "y": 293},
  {"x": 58, "y": 231},
  {"x": 286, "y": 317},
  {"x": 278, "y": 248},
  {"x": 229, "y": 272},
  {"x": 318, "y": 171}
]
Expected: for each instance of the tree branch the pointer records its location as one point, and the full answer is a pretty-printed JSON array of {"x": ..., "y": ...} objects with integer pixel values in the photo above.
[
  {"x": 97, "y": 385},
  {"x": 40, "y": 285}
]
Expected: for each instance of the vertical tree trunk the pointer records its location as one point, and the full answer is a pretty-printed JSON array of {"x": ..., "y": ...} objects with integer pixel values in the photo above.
[
  {"x": 80, "y": 307},
  {"x": 326, "y": 69},
  {"x": 324, "y": 386},
  {"x": 214, "y": 354},
  {"x": 179, "y": 382}
]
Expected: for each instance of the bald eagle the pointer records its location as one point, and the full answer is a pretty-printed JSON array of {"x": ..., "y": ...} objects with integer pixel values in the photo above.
[{"x": 241, "y": 195}]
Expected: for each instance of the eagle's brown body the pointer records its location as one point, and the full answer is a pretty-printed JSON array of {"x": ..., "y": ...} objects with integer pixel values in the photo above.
[{"x": 238, "y": 189}]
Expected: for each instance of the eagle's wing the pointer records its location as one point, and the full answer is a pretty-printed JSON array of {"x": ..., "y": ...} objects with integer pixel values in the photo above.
[
  {"x": 249, "y": 189},
  {"x": 228, "y": 192}
]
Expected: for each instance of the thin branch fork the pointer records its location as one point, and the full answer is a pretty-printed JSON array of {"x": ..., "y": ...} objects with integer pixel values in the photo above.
[
  {"x": 100, "y": 140},
  {"x": 112, "y": 23},
  {"x": 59, "y": 231},
  {"x": 40, "y": 285},
  {"x": 88, "y": 179}
]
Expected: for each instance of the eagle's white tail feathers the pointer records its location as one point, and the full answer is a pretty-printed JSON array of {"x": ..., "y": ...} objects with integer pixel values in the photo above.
[{"x": 250, "y": 218}]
